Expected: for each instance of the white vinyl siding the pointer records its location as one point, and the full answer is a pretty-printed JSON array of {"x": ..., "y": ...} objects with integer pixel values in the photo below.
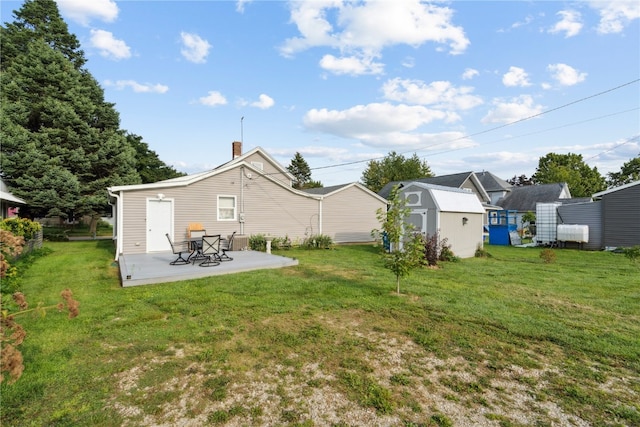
[{"x": 227, "y": 208}]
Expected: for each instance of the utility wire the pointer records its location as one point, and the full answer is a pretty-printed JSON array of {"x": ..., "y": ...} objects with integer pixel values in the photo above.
[{"x": 491, "y": 129}]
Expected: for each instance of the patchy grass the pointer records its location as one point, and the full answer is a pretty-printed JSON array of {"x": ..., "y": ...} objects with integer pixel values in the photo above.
[{"x": 504, "y": 340}]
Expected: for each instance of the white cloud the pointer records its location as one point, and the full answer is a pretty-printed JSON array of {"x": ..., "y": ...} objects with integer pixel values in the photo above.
[
  {"x": 109, "y": 46},
  {"x": 469, "y": 73},
  {"x": 409, "y": 62},
  {"x": 566, "y": 75},
  {"x": 510, "y": 111},
  {"x": 383, "y": 125},
  {"x": 264, "y": 102},
  {"x": 615, "y": 15},
  {"x": 352, "y": 65},
  {"x": 240, "y": 5},
  {"x": 366, "y": 28},
  {"x": 516, "y": 76},
  {"x": 569, "y": 24},
  {"x": 195, "y": 48},
  {"x": 83, "y": 11},
  {"x": 137, "y": 87},
  {"x": 440, "y": 94},
  {"x": 213, "y": 99}
]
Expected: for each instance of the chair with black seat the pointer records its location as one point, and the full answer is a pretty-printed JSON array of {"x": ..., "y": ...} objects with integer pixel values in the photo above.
[
  {"x": 179, "y": 248},
  {"x": 211, "y": 251},
  {"x": 226, "y": 245}
]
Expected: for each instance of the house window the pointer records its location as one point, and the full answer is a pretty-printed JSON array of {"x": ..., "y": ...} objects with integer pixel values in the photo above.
[
  {"x": 226, "y": 208},
  {"x": 258, "y": 165},
  {"x": 413, "y": 198}
]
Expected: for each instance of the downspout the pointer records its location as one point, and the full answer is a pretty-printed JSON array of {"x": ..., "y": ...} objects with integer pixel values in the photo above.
[
  {"x": 117, "y": 231},
  {"x": 320, "y": 215}
]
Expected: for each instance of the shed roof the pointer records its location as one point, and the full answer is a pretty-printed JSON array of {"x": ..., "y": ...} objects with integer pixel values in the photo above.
[
  {"x": 524, "y": 198},
  {"x": 449, "y": 199}
]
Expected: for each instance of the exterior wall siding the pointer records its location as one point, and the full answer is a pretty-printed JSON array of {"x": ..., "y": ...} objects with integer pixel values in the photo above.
[
  {"x": 620, "y": 213},
  {"x": 268, "y": 208},
  {"x": 584, "y": 214},
  {"x": 464, "y": 239},
  {"x": 269, "y": 168},
  {"x": 349, "y": 215}
]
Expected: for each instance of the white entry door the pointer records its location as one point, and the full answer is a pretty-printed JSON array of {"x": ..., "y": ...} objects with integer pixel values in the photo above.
[{"x": 159, "y": 223}]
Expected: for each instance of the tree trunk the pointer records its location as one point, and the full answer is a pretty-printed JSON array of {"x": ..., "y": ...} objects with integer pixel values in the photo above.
[{"x": 93, "y": 225}]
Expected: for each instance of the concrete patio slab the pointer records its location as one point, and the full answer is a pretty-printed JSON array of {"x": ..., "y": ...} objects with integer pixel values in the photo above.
[{"x": 144, "y": 269}]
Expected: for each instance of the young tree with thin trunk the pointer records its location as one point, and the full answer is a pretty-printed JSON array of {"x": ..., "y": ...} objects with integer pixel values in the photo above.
[{"x": 405, "y": 247}]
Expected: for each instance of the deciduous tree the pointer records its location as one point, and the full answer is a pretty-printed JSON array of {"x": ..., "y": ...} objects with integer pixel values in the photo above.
[
  {"x": 405, "y": 251},
  {"x": 583, "y": 181},
  {"x": 394, "y": 167},
  {"x": 629, "y": 172}
]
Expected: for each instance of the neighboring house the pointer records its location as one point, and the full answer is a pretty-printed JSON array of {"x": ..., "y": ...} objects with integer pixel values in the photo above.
[
  {"x": 8, "y": 202},
  {"x": 463, "y": 180},
  {"x": 497, "y": 188},
  {"x": 524, "y": 199},
  {"x": 455, "y": 214},
  {"x": 251, "y": 194},
  {"x": 620, "y": 215}
]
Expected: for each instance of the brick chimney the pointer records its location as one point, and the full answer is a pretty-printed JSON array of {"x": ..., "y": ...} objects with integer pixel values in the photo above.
[{"x": 236, "y": 149}]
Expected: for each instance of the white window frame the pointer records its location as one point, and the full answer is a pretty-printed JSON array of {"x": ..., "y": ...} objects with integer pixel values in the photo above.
[
  {"x": 413, "y": 193},
  {"x": 234, "y": 208}
]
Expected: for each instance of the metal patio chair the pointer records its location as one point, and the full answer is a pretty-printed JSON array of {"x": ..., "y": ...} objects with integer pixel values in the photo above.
[
  {"x": 179, "y": 248},
  {"x": 226, "y": 245},
  {"x": 195, "y": 237},
  {"x": 211, "y": 251}
]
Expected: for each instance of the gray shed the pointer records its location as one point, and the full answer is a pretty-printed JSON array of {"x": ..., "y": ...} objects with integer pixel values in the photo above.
[
  {"x": 454, "y": 214},
  {"x": 621, "y": 215}
]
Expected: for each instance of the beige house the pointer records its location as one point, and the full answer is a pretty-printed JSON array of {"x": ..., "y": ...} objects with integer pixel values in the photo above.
[
  {"x": 455, "y": 214},
  {"x": 251, "y": 194}
]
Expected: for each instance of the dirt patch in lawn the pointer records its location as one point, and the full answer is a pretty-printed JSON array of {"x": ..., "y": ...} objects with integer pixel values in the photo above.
[{"x": 386, "y": 380}]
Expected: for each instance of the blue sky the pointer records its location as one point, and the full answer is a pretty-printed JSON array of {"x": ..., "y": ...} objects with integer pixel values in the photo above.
[{"x": 469, "y": 85}]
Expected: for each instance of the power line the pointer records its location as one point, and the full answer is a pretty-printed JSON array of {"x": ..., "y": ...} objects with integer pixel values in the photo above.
[{"x": 491, "y": 129}]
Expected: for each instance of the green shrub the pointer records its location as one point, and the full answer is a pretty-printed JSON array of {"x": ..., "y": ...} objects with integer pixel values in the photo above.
[
  {"x": 632, "y": 253},
  {"x": 317, "y": 241},
  {"x": 548, "y": 256},
  {"x": 21, "y": 227},
  {"x": 258, "y": 242}
]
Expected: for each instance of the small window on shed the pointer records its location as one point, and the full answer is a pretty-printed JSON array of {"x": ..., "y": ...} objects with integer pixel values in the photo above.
[
  {"x": 413, "y": 198},
  {"x": 226, "y": 208}
]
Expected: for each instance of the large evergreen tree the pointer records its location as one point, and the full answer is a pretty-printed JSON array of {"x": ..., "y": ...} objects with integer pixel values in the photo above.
[
  {"x": 61, "y": 142},
  {"x": 148, "y": 164},
  {"x": 394, "y": 167},
  {"x": 300, "y": 169},
  {"x": 583, "y": 181}
]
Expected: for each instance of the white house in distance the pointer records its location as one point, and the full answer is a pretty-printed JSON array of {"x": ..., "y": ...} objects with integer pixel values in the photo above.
[
  {"x": 250, "y": 194},
  {"x": 455, "y": 214}
]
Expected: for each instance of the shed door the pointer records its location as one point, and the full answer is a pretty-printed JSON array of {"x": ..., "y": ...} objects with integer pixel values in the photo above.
[
  {"x": 418, "y": 218},
  {"x": 159, "y": 223}
]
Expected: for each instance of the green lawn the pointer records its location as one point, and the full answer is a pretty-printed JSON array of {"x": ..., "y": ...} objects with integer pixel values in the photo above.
[{"x": 501, "y": 341}]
